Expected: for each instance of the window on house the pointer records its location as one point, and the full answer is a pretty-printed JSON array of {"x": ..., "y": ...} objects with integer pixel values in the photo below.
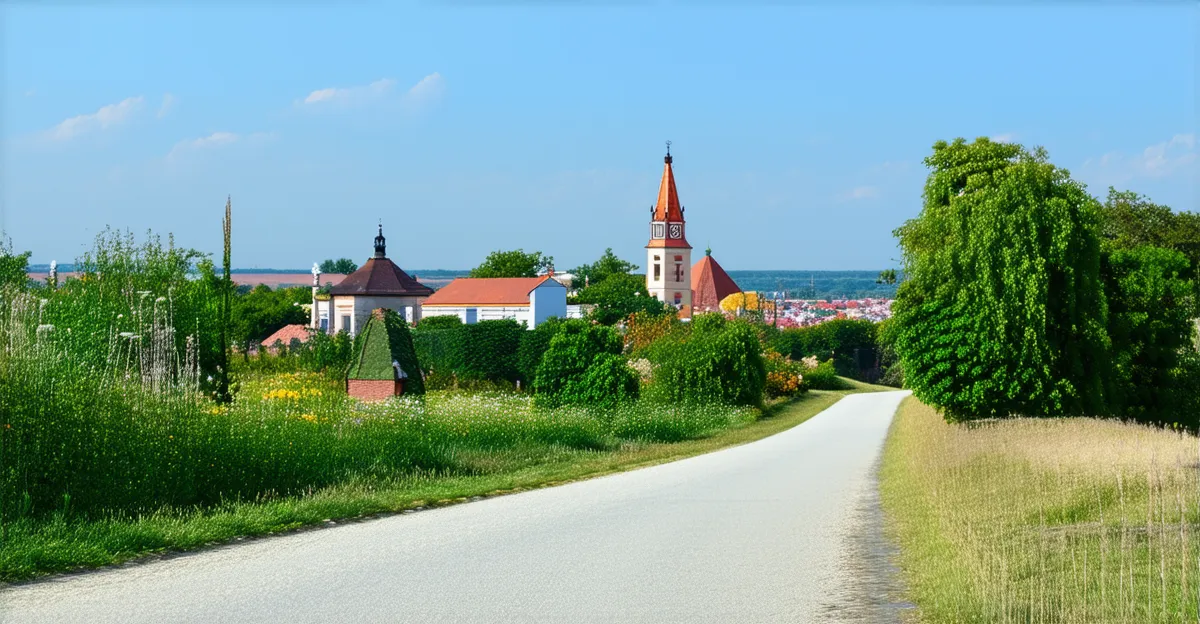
[
  {"x": 657, "y": 270},
  {"x": 345, "y": 322},
  {"x": 472, "y": 315},
  {"x": 324, "y": 324},
  {"x": 679, "y": 272}
]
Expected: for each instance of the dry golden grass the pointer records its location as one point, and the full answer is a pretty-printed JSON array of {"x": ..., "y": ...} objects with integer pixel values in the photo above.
[{"x": 1044, "y": 520}]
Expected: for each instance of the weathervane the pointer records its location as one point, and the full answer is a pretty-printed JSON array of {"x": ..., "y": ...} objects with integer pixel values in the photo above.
[{"x": 668, "y": 148}]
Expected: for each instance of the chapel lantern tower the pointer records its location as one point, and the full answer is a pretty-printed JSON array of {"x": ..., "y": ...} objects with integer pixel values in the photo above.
[{"x": 668, "y": 254}]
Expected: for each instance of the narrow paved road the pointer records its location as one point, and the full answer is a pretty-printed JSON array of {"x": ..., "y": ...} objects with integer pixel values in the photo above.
[{"x": 755, "y": 533}]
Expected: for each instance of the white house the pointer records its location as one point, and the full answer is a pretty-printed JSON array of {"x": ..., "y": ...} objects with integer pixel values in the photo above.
[{"x": 528, "y": 299}]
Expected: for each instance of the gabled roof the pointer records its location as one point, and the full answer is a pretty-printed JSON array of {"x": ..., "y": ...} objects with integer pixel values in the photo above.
[
  {"x": 710, "y": 284},
  {"x": 286, "y": 334},
  {"x": 488, "y": 291},
  {"x": 380, "y": 277}
]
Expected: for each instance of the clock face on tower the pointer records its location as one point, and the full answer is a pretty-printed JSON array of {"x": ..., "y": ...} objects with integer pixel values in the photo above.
[
  {"x": 676, "y": 230},
  {"x": 656, "y": 231}
]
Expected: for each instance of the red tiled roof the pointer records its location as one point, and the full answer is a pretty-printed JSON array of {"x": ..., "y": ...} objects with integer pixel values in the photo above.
[
  {"x": 487, "y": 291},
  {"x": 380, "y": 276},
  {"x": 286, "y": 334},
  {"x": 710, "y": 284}
]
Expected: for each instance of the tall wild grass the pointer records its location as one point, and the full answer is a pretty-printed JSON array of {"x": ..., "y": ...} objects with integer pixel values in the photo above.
[
  {"x": 1044, "y": 520},
  {"x": 136, "y": 434}
]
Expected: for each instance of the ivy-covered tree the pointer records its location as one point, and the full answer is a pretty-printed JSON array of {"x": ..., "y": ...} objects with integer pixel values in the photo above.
[
  {"x": 514, "y": 263},
  {"x": 1002, "y": 310}
]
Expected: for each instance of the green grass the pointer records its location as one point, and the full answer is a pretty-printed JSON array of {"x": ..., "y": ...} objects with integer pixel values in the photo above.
[
  {"x": 34, "y": 547},
  {"x": 1043, "y": 520}
]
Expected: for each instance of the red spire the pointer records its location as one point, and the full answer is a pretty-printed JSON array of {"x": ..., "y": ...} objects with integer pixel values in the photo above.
[{"x": 667, "y": 208}]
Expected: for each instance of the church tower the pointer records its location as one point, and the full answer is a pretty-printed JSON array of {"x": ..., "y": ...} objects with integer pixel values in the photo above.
[{"x": 668, "y": 254}]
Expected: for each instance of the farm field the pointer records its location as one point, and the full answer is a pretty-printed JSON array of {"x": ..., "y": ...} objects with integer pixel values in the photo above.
[{"x": 1043, "y": 520}]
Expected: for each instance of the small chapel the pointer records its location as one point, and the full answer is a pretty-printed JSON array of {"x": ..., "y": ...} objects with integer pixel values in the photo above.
[
  {"x": 378, "y": 283},
  {"x": 670, "y": 275}
]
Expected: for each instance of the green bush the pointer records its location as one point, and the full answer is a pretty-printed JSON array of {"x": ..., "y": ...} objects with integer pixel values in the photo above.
[
  {"x": 534, "y": 344},
  {"x": 563, "y": 376},
  {"x": 849, "y": 342},
  {"x": 718, "y": 361},
  {"x": 489, "y": 350},
  {"x": 824, "y": 377},
  {"x": 438, "y": 350},
  {"x": 444, "y": 321}
]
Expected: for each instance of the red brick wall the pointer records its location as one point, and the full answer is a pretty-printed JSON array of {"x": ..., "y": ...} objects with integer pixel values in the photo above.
[{"x": 372, "y": 389}]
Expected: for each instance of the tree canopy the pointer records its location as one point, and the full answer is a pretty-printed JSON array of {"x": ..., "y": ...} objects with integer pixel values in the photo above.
[
  {"x": 514, "y": 263},
  {"x": 341, "y": 265},
  {"x": 262, "y": 311},
  {"x": 619, "y": 296},
  {"x": 607, "y": 265},
  {"x": 1002, "y": 311}
]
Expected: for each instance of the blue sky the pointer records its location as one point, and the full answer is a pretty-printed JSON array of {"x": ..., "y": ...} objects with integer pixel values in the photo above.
[{"x": 798, "y": 132}]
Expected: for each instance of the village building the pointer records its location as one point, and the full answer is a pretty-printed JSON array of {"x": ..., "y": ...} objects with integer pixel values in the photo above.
[
  {"x": 530, "y": 300},
  {"x": 710, "y": 284},
  {"x": 377, "y": 284},
  {"x": 386, "y": 363},
  {"x": 668, "y": 254},
  {"x": 285, "y": 336}
]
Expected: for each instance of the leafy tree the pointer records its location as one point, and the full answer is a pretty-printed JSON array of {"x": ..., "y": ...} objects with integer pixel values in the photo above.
[
  {"x": 1129, "y": 221},
  {"x": 263, "y": 311},
  {"x": 1002, "y": 311},
  {"x": 619, "y": 296},
  {"x": 887, "y": 276},
  {"x": 515, "y": 263},
  {"x": 1150, "y": 329},
  {"x": 14, "y": 267},
  {"x": 344, "y": 266},
  {"x": 608, "y": 264}
]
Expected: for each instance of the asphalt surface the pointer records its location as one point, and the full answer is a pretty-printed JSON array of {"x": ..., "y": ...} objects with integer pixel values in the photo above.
[{"x": 755, "y": 533}]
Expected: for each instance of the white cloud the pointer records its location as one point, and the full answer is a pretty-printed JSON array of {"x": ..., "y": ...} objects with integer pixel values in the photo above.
[
  {"x": 214, "y": 140},
  {"x": 429, "y": 88},
  {"x": 1007, "y": 137},
  {"x": 106, "y": 117},
  {"x": 861, "y": 192},
  {"x": 1161, "y": 160},
  {"x": 167, "y": 103},
  {"x": 350, "y": 95},
  {"x": 425, "y": 92}
]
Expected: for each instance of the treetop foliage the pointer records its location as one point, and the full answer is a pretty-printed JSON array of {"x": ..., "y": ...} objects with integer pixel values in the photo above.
[
  {"x": 514, "y": 263},
  {"x": 341, "y": 265},
  {"x": 608, "y": 264}
]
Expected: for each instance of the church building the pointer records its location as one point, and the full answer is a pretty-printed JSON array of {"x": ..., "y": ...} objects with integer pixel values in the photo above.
[
  {"x": 668, "y": 254},
  {"x": 377, "y": 284}
]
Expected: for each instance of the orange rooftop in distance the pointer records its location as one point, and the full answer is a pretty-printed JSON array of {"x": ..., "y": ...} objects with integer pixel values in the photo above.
[{"x": 710, "y": 284}]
